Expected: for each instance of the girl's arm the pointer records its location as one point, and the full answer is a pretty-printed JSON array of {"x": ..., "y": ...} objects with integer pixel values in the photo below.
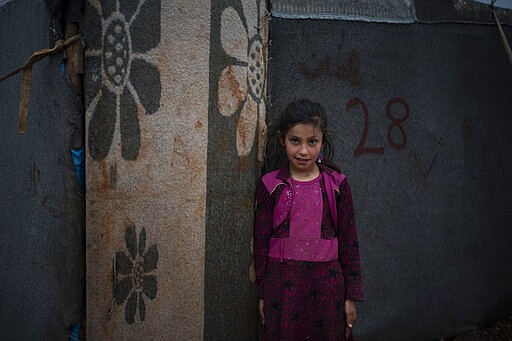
[
  {"x": 262, "y": 234},
  {"x": 348, "y": 245}
]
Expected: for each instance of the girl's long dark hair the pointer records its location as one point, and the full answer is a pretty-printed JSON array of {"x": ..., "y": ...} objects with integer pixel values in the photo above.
[{"x": 300, "y": 111}]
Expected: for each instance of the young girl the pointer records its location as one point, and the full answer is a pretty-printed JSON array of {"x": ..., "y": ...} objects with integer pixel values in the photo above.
[{"x": 305, "y": 240}]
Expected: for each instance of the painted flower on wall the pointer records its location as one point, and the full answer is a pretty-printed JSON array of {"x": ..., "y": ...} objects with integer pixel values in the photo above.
[
  {"x": 241, "y": 85},
  {"x": 123, "y": 81},
  {"x": 134, "y": 277}
]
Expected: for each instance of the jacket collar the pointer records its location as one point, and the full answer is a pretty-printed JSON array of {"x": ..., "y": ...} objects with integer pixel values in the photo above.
[{"x": 284, "y": 172}]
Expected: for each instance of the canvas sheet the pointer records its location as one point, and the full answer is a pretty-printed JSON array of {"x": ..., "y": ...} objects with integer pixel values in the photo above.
[
  {"x": 146, "y": 116},
  {"x": 42, "y": 215},
  {"x": 392, "y": 11},
  {"x": 421, "y": 121},
  {"x": 175, "y": 111},
  {"x": 463, "y": 11},
  {"x": 236, "y": 139}
]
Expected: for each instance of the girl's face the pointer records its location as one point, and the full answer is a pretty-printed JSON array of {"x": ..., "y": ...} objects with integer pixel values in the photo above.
[{"x": 303, "y": 143}]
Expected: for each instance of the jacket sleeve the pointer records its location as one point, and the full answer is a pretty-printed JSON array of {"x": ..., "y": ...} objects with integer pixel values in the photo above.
[
  {"x": 348, "y": 244},
  {"x": 262, "y": 234}
]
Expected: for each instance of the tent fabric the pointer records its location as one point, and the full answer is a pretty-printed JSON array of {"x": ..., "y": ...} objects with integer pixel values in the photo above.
[
  {"x": 66, "y": 10},
  {"x": 238, "y": 34},
  {"x": 391, "y": 11},
  {"x": 147, "y": 127},
  {"x": 421, "y": 123},
  {"x": 464, "y": 11},
  {"x": 42, "y": 215}
]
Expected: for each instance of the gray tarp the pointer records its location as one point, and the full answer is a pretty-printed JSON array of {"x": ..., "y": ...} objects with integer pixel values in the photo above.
[
  {"x": 392, "y": 11},
  {"x": 432, "y": 192},
  {"x": 464, "y": 11},
  {"x": 41, "y": 234}
]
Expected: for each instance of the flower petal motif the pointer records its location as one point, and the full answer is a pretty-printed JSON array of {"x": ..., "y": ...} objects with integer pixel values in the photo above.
[
  {"x": 116, "y": 53},
  {"x": 131, "y": 278},
  {"x": 241, "y": 86},
  {"x": 101, "y": 126},
  {"x": 145, "y": 30},
  {"x": 131, "y": 240},
  {"x": 246, "y": 127},
  {"x": 232, "y": 87},
  {"x": 122, "y": 289},
  {"x": 129, "y": 125},
  {"x": 124, "y": 265},
  {"x": 129, "y": 8},
  {"x": 131, "y": 308},
  {"x": 107, "y": 7},
  {"x": 142, "y": 242},
  {"x": 255, "y": 76},
  {"x": 142, "y": 307},
  {"x": 233, "y": 36},
  {"x": 253, "y": 14},
  {"x": 150, "y": 258},
  {"x": 149, "y": 287},
  {"x": 146, "y": 82},
  {"x": 130, "y": 83}
]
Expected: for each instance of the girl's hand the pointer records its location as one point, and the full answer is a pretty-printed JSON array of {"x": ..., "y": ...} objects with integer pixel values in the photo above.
[
  {"x": 262, "y": 314},
  {"x": 350, "y": 315}
]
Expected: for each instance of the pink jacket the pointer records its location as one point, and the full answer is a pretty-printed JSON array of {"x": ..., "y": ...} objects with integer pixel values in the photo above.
[
  {"x": 332, "y": 181},
  {"x": 273, "y": 205}
]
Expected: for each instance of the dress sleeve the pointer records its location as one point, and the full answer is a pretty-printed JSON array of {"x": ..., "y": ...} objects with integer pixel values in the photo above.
[
  {"x": 262, "y": 234},
  {"x": 348, "y": 245}
]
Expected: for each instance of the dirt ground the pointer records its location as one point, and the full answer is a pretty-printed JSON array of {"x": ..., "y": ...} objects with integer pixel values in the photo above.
[{"x": 500, "y": 330}]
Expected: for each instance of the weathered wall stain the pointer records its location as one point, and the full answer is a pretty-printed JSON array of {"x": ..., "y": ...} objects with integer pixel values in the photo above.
[
  {"x": 108, "y": 173},
  {"x": 232, "y": 98}
]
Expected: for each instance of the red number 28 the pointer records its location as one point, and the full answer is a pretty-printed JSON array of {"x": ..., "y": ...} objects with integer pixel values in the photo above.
[
  {"x": 361, "y": 149},
  {"x": 395, "y": 122}
]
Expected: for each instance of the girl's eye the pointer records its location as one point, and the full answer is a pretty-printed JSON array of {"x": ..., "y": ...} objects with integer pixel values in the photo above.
[
  {"x": 313, "y": 142},
  {"x": 294, "y": 141}
]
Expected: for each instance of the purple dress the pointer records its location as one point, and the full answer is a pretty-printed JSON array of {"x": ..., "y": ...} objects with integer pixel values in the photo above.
[{"x": 304, "y": 294}]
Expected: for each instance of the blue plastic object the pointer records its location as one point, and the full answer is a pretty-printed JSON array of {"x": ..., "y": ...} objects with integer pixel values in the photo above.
[
  {"x": 74, "y": 334},
  {"x": 78, "y": 156}
]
